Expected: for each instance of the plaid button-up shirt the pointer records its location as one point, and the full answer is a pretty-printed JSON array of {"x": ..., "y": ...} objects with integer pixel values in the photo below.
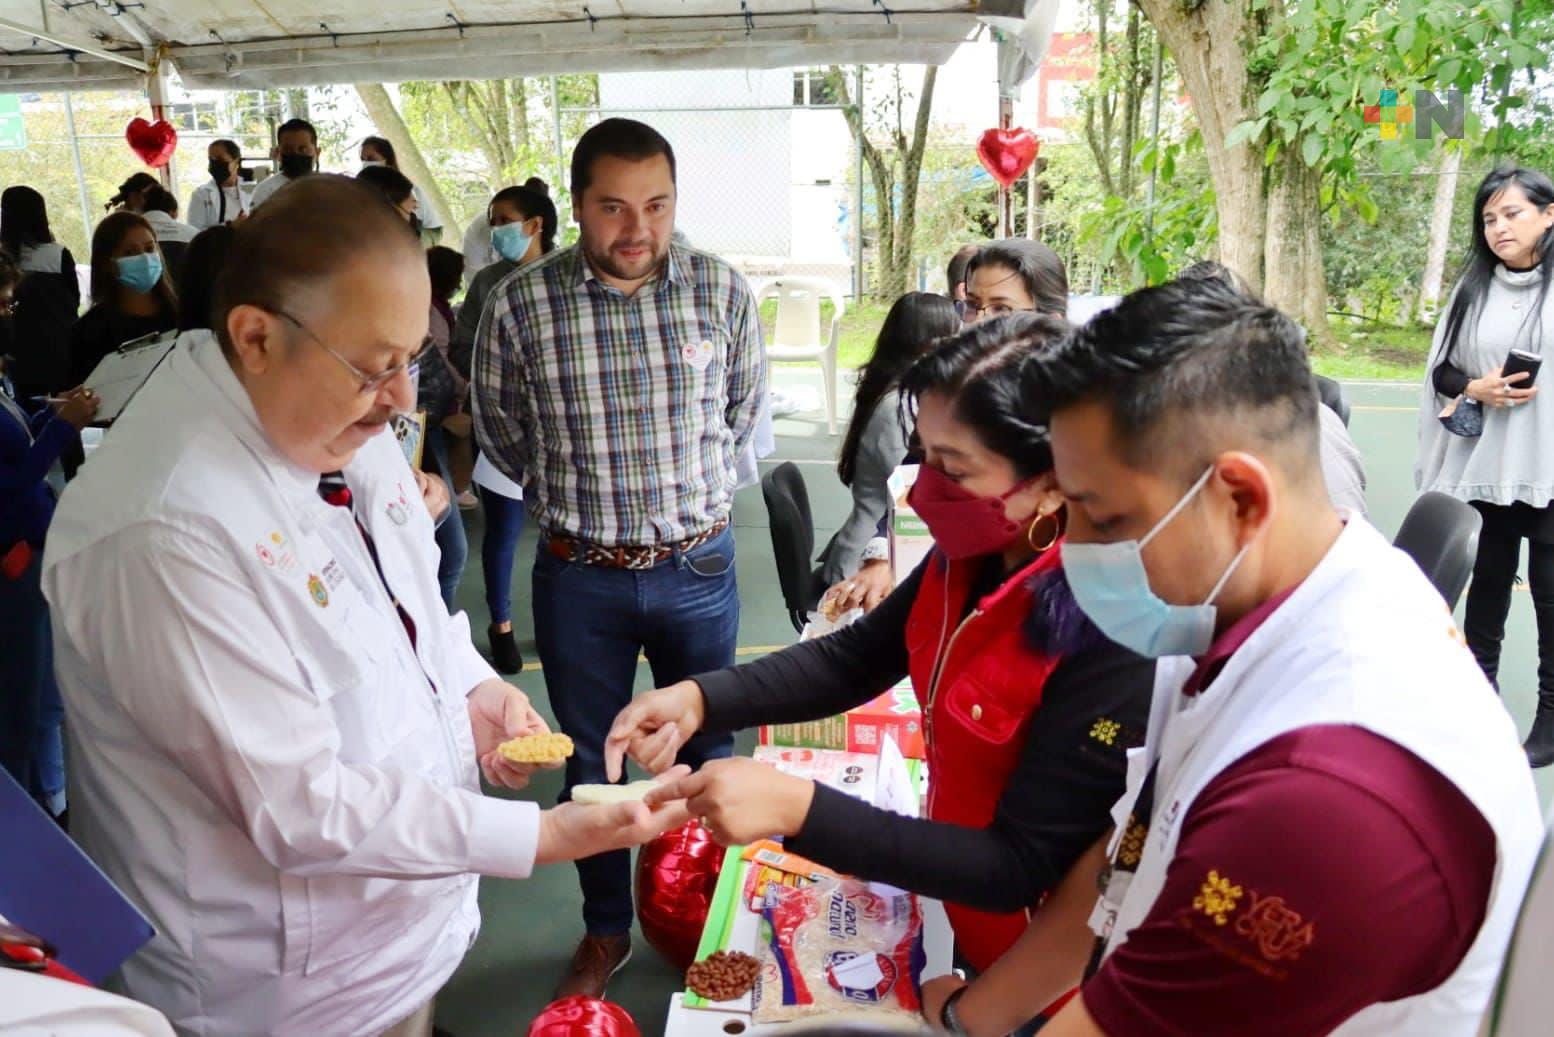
[{"x": 623, "y": 418}]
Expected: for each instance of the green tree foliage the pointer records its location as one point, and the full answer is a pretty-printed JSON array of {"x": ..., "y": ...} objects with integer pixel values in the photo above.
[{"x": 480, "y": 136}]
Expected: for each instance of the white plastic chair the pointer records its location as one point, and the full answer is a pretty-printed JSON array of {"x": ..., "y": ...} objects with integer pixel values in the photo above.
[{"x": 797, "y": 337}]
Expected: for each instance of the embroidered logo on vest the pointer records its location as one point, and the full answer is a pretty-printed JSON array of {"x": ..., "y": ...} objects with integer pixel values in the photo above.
[
  {"x": 1218, "y": 898},
  {"x": 1105, "y": 731},
  {"x": 1279, "y": 932}
]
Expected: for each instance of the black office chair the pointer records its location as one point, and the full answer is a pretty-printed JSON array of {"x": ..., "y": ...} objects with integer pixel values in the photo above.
[
  {"x": 1440, "y": 533},
  {"x": 1332, "y": 395},
  {"x": 793, "y": 540}
]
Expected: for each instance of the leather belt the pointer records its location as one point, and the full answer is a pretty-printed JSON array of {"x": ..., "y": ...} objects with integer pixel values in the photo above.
[{"x": 570, "y": 549}]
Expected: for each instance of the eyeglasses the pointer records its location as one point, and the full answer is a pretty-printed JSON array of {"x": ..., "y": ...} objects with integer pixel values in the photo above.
[
  {"x": 970, "y": 314},
  {"x": 368, "y": 383}
]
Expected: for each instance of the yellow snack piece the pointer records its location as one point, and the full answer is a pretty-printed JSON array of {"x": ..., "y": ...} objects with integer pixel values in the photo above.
[{"x": 551, "y": 747}]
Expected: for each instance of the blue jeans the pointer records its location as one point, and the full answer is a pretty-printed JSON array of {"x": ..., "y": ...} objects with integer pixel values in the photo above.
[
  {"x": 590, "y": 624},
  {"x": 452, "y": 541},
  {"x": 31, "y": 714},
  {"x": 504, "y": 524}
]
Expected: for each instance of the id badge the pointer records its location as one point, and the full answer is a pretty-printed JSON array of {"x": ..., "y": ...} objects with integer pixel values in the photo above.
[{"x": 1103, "y": 918}]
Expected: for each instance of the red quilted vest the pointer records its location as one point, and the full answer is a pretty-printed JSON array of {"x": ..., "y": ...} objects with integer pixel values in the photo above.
[{"x": 979, "y": 682}]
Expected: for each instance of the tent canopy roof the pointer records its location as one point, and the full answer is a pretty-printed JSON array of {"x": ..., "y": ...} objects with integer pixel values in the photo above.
[{"x": 255, "y": 44}]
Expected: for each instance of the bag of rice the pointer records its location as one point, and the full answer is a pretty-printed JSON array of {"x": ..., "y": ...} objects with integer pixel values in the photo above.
[{"x": 838, "y": 946}]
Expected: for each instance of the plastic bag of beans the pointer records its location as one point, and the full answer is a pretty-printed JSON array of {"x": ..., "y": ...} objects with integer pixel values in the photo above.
[{"x": 838, "y": 946}]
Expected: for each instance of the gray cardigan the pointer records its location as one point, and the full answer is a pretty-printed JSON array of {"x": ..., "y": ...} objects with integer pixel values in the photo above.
[
  {"x": 461, "y": 350},
  {"x": 881, "y": 449}
]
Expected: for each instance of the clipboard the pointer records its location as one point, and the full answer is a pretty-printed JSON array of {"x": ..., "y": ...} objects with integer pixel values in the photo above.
[
  {"x": 49, "y": 887},
  {"x": 119, "y": 375}
]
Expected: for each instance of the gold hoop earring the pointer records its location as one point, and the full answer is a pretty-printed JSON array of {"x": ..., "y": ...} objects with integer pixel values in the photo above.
[{"x": 1057, "y": 531}]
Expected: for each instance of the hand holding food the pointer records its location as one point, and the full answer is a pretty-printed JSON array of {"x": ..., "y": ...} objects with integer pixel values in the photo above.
[
  {"x": 740, "y": 800},
  {"x": 574, "y": 830}
]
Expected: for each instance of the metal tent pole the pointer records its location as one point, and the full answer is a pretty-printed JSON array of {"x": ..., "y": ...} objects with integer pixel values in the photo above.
[
  {"x": 858, "y": 198},
  {"x": 555, "y": 114},
  {"x": 75, "y": 154}
]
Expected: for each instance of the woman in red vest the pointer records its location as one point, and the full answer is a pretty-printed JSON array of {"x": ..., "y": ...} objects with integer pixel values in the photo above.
[{"x": 1028, "y": 711}]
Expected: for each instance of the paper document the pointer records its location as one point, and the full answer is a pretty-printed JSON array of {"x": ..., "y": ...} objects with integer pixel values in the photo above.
[{"x": 121, "y": 373}]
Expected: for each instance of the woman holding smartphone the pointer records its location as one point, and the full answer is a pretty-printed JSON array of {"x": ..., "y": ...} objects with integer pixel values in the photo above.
[{"x": 1505, "y": 468}]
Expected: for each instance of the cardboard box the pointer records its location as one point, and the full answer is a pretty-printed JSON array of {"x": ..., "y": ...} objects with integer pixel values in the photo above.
[
  {"x": 910, "y": 540},
  {"x": 860, "y": 730}
]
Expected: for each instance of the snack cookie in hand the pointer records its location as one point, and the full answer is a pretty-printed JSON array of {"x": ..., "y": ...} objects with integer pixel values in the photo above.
[
  {"x": 595, "y": 794},
  {"x": 551, "y": 747}
]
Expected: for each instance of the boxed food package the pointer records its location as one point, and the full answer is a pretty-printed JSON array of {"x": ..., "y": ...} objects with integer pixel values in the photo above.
[
  {"x": 852, "y": 773},
  {"x": 861, "y": 730},
  {"x": 910, "y": 540},
  {"x": 839, "y": 945}
]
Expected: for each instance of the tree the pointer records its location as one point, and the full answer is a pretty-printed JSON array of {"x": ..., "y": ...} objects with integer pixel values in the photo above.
[
  {"x": 481, "y": 135},
  {"x": 895, "y": 167},
  {"x": 1440, "y": 231},
  {"x": 1283, "y": 111},
  {"x": 1113, "y": 102}
]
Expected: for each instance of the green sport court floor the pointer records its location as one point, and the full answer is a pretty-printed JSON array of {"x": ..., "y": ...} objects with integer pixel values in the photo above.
[{"x": 531, "y": 927}]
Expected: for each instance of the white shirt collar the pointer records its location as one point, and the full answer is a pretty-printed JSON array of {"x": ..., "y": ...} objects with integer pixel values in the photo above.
[{"x": 236, "y": 407}]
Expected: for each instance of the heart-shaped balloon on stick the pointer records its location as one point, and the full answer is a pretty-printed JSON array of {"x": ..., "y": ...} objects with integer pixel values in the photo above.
[
  {"x": 154, "y": 142},
  {"x": 1007, "y": 154}
]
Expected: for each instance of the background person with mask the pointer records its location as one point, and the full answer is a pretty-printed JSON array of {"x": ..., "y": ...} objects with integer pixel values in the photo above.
[
  {"x": 296, "y": 148},
  {"x": 223, "y": 198},
  {"x": 1029, "y": 712},
  {"x": 1328, "y": 772},
  {"x": 523, "y": 228},
  {"x": 379, "y": 151},
  {"x": 278, "y": 728},
  {"x": 632, "y": 493},
  {"x": 132, "y": 293}
]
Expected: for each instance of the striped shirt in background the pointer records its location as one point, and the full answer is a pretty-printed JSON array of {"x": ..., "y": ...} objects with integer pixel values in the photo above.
[{"x": 623, "y": 418}]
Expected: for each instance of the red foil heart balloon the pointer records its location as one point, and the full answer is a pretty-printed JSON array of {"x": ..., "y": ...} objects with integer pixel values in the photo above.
[
  {"x": 580, "y": 1016},
  {"x": 676, "y": 876},
  {"x": 1007, "y": 154},
  {"x": 154, "y": 142}
]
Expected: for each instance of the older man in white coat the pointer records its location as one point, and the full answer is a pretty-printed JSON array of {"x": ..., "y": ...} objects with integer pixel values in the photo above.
[{"x": 275, "y": 722}]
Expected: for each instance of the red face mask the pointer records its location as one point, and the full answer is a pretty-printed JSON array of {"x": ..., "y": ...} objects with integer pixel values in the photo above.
[{"x": 963, "y": 525}]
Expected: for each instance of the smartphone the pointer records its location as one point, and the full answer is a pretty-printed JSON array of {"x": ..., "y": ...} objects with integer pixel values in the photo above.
[{"x": 1519, "y": 360}]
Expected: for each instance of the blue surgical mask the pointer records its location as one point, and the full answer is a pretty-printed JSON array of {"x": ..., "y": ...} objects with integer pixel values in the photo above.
[
  {"x": 141, "y": 272},
  {"x": 510, "y": 241},
  {"x": 1112, "y": 586}
]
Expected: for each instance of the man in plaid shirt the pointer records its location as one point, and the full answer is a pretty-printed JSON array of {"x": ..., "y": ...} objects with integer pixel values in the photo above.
[{"x": 619, "y": 380}]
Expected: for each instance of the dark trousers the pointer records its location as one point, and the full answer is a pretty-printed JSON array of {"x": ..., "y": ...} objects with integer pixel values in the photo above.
[
  {"x": 452, "y": 541},
  {"x": 31, "y": 714},
  {"x": 504, "y": 525},
  {"x": 1489, "y": 596},
  {"x": 590, "y": 625}
]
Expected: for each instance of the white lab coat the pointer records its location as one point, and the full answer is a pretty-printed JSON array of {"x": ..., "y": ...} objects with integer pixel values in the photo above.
[
  {"x": 265, "y": 188},
  {"x": 205, "y": 203},
  {"x": 168, "y": 229},
  {"x": 34, "y": 1005},
  {"x": 259, "y": 757},
  {"x": 1364, "y": 641}
]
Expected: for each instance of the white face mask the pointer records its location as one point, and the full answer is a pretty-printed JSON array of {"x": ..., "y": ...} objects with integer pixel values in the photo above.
[{"x": 1111, "y": 585}]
